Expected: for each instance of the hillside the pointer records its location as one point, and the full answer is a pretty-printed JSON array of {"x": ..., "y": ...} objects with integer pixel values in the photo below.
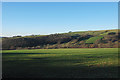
[{"x": 82, "y": 39}]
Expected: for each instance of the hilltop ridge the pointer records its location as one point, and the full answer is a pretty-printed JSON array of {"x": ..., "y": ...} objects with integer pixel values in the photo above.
[{"x": 79, "y": 39}]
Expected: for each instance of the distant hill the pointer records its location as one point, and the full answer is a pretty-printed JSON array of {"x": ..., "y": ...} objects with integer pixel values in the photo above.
[{"x": 80, "y": 39}]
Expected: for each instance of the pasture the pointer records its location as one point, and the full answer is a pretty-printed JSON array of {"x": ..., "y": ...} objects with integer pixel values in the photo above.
[{"x": 61, "y": 63}]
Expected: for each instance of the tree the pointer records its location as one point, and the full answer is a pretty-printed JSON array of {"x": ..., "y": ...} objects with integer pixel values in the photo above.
[{"x": 69, "y": 31}]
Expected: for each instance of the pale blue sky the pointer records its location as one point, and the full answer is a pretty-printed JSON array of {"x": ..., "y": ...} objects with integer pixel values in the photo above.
[
  {"x": 60, "y": 0},
  {"x": 26, "y": 18}
]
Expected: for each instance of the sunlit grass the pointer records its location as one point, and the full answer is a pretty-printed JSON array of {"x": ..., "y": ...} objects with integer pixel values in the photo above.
[{"x": 49, "y": 62}]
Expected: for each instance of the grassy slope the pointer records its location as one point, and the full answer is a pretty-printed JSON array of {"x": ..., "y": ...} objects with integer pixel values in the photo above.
[
  {"x": 96, "y": 35},
  {"x": 93, "y": 39},
  {"x": 71, "y": 63},
  {"x": 99, "y": 32},
  {"x": 94, "y": 32}
]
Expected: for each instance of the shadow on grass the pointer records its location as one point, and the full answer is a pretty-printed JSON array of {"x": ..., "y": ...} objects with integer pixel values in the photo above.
[
  {"x": 41, "y": 67},
  {"x": 60, "y": 72}
]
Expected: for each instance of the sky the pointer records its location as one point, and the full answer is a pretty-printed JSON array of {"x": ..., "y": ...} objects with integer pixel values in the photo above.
[
  {"x": 60, "y": 0},
  {"x": 42, "y": 18}
]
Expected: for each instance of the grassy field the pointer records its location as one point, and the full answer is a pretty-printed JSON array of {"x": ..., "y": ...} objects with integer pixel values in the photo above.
[{"x": 61, "y": 63}]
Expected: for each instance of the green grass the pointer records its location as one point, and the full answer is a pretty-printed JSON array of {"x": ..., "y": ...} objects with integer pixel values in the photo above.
[
  {"x": 93, "y": 39},
  {"x": 61, "y": 63}
]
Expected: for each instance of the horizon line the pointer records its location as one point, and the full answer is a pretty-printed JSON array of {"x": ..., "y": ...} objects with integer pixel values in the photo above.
[{"x": 59, "y": 32}]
